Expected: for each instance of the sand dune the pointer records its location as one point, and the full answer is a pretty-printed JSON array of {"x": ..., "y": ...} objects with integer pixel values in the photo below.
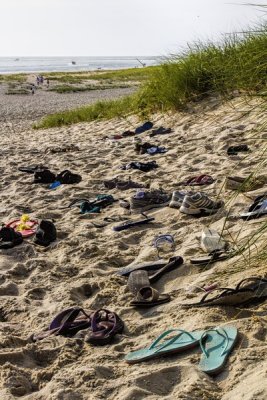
[{"x": 80, "y": 269}]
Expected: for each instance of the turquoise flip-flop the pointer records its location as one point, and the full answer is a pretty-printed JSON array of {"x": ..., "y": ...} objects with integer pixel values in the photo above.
[
  {"x": 182, "y": 341},
  {"x": 217, "y": 347}
]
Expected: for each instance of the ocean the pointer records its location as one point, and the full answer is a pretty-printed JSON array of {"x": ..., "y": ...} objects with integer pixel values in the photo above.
[{"x": 14, "y": 65}]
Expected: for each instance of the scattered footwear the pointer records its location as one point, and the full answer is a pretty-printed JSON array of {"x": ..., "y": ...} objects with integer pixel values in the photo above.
[
  {"x": 212, "y": 258},
  {"x": 160, "y": 131},
  {"x": 67, "y": 323},
  {"x": 216, "y": 348},
  {"x": 44, "y": 176},
  {"x": 144, "y": 167},
  {"x": 200, "y": 204},
  {"x": 122, "y": 185},
  {"x": 9, "y": 238},
  {"x": 67, "y": 177},
  {"x": 143, "y": 148},
  {"x": 33, "y": 168},
  {"x": 156, "y": 269},
  {"x": 163, "y": 346},
  {"x": 200, "y": 180},
  {"x": 145, "y": 200},
  {"x": 132, "y": 224},
  {"x": 143, "y": 128},
  {"x": 45, "y": 234},
  {"x": 246, "y": 291},
  {"x": 257, "y": 209},
  {"x": 105, "y": 325},
  {"x": 233, "y": 150},
  {"x": 178, "y": 198}
]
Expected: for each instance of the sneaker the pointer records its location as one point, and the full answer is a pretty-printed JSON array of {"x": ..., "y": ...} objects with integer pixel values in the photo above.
[
  {"x": 146, "y": 200},
  {"x": 178, "y": 198},
  {"x": 46, "y": 233},
  {"x": 199, "y": 203}
]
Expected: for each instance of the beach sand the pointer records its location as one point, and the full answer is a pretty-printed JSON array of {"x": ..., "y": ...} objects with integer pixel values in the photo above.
[{"x": 80, "y": 269}]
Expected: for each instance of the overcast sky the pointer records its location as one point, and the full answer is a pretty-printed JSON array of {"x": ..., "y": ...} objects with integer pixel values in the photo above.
[{"x": 116, "y": 27}]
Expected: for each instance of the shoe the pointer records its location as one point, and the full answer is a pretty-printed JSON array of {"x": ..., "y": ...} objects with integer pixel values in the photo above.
[
  {"x": 46, "y": 233},
  {"x": 146, "y": 200},
  {"x": 199, "y": 203},
  {"x": 178, "y": 198},
  {"x": 9, "y": 238}
]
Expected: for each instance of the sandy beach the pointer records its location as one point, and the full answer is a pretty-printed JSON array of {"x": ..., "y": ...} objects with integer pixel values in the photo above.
[{"x": 80, "y": 269}]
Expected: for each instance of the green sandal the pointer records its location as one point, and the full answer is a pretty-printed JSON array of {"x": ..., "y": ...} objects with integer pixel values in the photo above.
[
  {"x": 217, "y": 348},
  {"x": 182, "y": 341}
]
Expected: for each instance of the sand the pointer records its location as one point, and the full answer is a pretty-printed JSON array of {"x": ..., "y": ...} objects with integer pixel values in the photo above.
[{"x": 80, "y": 269}]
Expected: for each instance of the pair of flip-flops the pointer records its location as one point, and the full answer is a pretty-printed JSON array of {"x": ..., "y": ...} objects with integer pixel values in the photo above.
[
  {"x": 26, "y": 226},
  {"x": 216, "y": 345},
  {"x": 247, "y": 291},
  {"x": 102, "y": 325}
]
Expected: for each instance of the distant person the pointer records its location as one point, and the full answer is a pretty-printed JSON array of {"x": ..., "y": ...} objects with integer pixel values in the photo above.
[
  {"x": 38, "y": 80},
  {"x": 47, "y": 82},
  {"x": 41, "y": 79},
  {"x": 32, "y": 89}
]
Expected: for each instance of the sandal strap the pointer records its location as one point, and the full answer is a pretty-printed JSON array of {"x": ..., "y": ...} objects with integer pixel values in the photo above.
[
  {"x": 169, "y": 342},
  {"x": 224, "y": 335}
]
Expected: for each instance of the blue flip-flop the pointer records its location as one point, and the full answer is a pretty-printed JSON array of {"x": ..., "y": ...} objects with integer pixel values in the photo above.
[
  {"x": 216, "y": 348},
  {"x": 182, "y": 341}
]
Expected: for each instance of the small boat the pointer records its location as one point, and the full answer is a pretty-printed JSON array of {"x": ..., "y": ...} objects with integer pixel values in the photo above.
[
  {"x": 16, "y": 59},
  {"x": 73, "y": 62}
]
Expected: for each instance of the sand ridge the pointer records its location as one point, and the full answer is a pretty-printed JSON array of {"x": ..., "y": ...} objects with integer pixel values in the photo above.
[{"x": 80, "y": 269}]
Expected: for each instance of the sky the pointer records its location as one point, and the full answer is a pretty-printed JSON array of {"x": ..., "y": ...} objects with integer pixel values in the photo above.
[{"x": 117, "y": 27}]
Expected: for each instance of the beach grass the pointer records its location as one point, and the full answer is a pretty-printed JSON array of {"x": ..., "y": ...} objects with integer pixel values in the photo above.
[
  {"x": 100, "y": 110},
  {"x": 13, "y": 78},
  {"x": 238, "y": 64},
  {"x": 86, "y": 88}
]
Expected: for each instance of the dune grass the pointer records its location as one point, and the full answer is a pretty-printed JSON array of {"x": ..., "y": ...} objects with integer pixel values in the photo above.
[
  {"x": 123, "y": 75},
  {"x": 13, "y": 78},
  {"x": 86, "y": 88},
  {"x": 239, "y": 63}
]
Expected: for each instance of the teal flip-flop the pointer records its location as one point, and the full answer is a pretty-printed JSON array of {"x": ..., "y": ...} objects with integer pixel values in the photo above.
[
  {"x": 216, "y": 348},
  {"x": 182, "y": 341}
]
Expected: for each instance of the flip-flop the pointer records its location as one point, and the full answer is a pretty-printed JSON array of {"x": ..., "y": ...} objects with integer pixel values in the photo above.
[
  {"x": 105, "y": 325},
  {"x": 149, "y": 297},
  {"x": 218, "y": 345},
  {"x": 226, "y": 297},
  {"x": 32, "y": 169},
  {"x": 160, "y": 266},
  {"x": 147, "y": 266},
  {"x": 257, "y": 209},
  {"x": 132, "y": 224},
  {"x": 211, "y": 258},
  {"x": 174, "y": 262},
  {"x": 182, "y": 341},
  {"x": 31, "y": 224},
  {"x": 67, "y": 323},
  {"x": 200, "y": 180}
]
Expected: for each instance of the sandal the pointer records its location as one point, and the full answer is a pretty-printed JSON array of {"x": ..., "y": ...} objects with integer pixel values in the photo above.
[
  {"x": 182, "y": 341},
  {"x": 218, "y": 345},
  {"x": 105, "y": 325},
  {"x": 67, "y": 323}
]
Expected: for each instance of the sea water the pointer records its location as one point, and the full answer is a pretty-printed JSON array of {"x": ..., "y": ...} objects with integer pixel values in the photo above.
[{"x": 14, "y": 65}]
